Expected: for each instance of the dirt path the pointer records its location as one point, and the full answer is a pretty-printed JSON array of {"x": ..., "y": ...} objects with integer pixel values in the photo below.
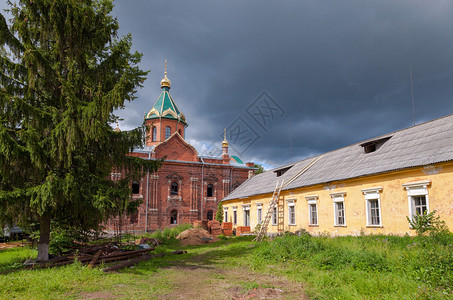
[{"x": 202, "y": 278}]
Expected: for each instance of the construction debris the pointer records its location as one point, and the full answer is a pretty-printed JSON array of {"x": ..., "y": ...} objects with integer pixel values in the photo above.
[
  {"x": 214, "y": 228},
  {"x": 227, "y": 228},
  {"x": 93, "y": 255},
  {"x": 195, "y": 236}
]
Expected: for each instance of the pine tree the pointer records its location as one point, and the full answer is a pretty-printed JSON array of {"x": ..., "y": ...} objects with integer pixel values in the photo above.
[
  {"x": 63, "y": 73},
  {"x": 219, "y": 212}
]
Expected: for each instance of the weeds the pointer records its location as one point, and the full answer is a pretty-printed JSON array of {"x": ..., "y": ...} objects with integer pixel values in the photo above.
[{"x": 421, "y": 260}]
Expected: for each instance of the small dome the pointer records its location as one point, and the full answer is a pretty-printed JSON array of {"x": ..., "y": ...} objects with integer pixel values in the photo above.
[
  {"x": 225, "y": 142},
  {"x": 165, "y": 82}
]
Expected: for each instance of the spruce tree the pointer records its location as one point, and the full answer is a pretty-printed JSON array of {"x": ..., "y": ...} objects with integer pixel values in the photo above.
[{"x": 64, "y": 71}]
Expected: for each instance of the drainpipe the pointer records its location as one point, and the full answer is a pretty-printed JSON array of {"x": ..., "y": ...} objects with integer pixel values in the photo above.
[
  {"x": 231, "y": 180},
  {"x": 147, "y": 196},
  {"x": 202, "y": 186}
]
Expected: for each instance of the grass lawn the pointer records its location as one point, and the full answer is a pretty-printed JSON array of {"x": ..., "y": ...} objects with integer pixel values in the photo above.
[{"x": 371, "y": 267}]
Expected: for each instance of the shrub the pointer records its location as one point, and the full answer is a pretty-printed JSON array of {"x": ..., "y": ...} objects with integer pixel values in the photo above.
[{"x": 428, "y": 223}]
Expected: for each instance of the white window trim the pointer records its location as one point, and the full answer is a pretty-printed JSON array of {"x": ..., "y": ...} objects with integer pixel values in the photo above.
[
  {"x": 225, "y": 214},
  {"x": 338, "y": 197},
  {"x": 417, "y": 188},
  {"x": 312, "y": 200},
  {"x": 372, "y": 194},
  {"x": 274, "y": 221},
  {"x": 291, "y": 203},
  {"x": 259, "y": 207},
  {"x": 246, "y": 208},
  {"x": 235, "y": 222}
]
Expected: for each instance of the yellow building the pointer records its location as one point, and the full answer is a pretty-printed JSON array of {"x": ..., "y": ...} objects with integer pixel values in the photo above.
[{"x": 369, "y": 187}]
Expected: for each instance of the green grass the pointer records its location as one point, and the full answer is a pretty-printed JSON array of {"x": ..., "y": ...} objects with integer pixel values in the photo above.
[
  {"x": 371, "y": 267},
  {"x": 366, "y": 267}
]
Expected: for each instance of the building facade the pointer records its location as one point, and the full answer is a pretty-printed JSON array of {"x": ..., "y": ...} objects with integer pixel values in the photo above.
[
  {"x": 369, "y": 187},
  {"x": 188, "y": 186}
]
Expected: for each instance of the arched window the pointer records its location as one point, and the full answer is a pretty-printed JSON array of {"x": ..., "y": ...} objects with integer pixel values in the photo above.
[
  {"x": 167, "y": 132},
  {"x": 154, "y": 134},
  {"x": 135, "y": 187},
  {"x": 210, "y": 191},
  {"x": 210, "y": 215},
  {"x": 174, "y": 217},
  {"x": 174, "y": 189}
]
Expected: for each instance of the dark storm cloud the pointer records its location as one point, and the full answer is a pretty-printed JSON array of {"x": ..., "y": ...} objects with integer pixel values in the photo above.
[{"x": 340, "y": 69}]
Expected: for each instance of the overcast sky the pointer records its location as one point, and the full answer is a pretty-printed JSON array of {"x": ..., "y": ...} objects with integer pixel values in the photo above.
[{"x": 333, "y": 73}]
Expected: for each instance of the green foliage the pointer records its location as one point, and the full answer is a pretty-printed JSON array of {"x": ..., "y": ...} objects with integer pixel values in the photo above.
[
  {"x": 169, "y": 233},
  {"x": 421, "y": 259},
  {"x": 63, "y": 72},
  {"x": 259, "y": 170},
  {"x": 428, "y": 223},
  {"x": 219, "y": 213}
]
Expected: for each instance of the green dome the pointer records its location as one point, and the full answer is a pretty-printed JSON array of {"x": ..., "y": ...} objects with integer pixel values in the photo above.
[{"x": 165, "y": 108}]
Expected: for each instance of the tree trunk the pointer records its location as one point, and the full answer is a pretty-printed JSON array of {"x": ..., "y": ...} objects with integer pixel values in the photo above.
[{"x": 44, "y": 238}]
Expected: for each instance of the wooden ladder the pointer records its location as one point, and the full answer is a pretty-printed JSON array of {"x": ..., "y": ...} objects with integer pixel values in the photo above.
[
  {"x": 270, "y": 211},
  {"x": 280, "y": 203}
]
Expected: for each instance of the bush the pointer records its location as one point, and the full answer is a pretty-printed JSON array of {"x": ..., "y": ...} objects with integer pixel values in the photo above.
[{"x": 428, "y": 223}]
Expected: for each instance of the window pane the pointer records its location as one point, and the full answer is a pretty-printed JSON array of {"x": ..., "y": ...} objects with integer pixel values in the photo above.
[
  {"x": 340, "y": 213},
  {"x": 313, "y": 215},
  {"x": 373, "y": 212}
]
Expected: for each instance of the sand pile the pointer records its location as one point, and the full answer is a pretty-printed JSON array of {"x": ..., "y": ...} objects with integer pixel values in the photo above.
[{"x": 195, "y": 236}]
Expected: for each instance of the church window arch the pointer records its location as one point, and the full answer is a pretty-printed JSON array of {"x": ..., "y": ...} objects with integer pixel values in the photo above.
[
  {"x": 210, "y": 190},
  {"x": 174, "y": 188},
  {"x": 135, "y": 187},
  {"x": 174, "y": 217},
  {"x": 167, "y": 132},
  {"x": 154, "y": 133},
  {"x": 210, "y": 215}
]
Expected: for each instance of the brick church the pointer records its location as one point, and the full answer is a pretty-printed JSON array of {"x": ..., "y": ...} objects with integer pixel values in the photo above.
[{"x": 188, "y": 186}]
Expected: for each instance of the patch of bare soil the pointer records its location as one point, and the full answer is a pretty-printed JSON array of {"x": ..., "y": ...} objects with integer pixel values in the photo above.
[
  {"x": 196, "y": 236},
  {"x": 11, "y": 245},
  {"x": 259, "y": 293},
  {"x": 199, "y": 278}
]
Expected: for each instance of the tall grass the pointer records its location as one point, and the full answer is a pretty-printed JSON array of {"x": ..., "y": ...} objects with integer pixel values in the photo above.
[
  {"x": 169, "y": 232},
  {"x": 365, "y": 266}
]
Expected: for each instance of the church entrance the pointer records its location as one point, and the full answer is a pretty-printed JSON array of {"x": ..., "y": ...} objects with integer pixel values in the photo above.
[
  {"x": 174, "y": 217},
  {"x": 210, "y": 215}
]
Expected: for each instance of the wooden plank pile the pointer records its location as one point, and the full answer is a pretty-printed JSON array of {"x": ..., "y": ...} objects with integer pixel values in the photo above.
[{"x": 102, "y": 254}]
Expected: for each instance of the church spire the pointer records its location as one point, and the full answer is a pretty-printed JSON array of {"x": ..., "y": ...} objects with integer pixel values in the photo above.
[{"x": 165, "y": 82}]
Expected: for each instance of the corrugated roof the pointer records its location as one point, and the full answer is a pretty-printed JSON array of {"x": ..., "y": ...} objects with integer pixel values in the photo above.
[{"x": 423, "y": 144}]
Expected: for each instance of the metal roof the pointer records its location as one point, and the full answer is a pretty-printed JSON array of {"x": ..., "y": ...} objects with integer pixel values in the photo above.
[{"x": 423, "y": 144}]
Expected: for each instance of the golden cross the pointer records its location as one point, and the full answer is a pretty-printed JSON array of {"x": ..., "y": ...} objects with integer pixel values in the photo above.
[{"x": 165, "y": 67}]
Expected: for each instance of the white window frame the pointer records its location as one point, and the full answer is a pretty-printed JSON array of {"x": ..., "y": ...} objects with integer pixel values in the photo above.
[
  {"x": 246, "y": 210},
  {"x": 259, "y": 213},
  {"x": 235, "y": 215},
  {"x": 291, "y": 206},
  {"x": 372, "y": 194},
  {"x": 312, "y": 200},
  {"x": 274, "y": 216},
  {"x": 415, "y": 189},
  {"x": 225, "y": 214},
  {"x": 338, "y": 198}
]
